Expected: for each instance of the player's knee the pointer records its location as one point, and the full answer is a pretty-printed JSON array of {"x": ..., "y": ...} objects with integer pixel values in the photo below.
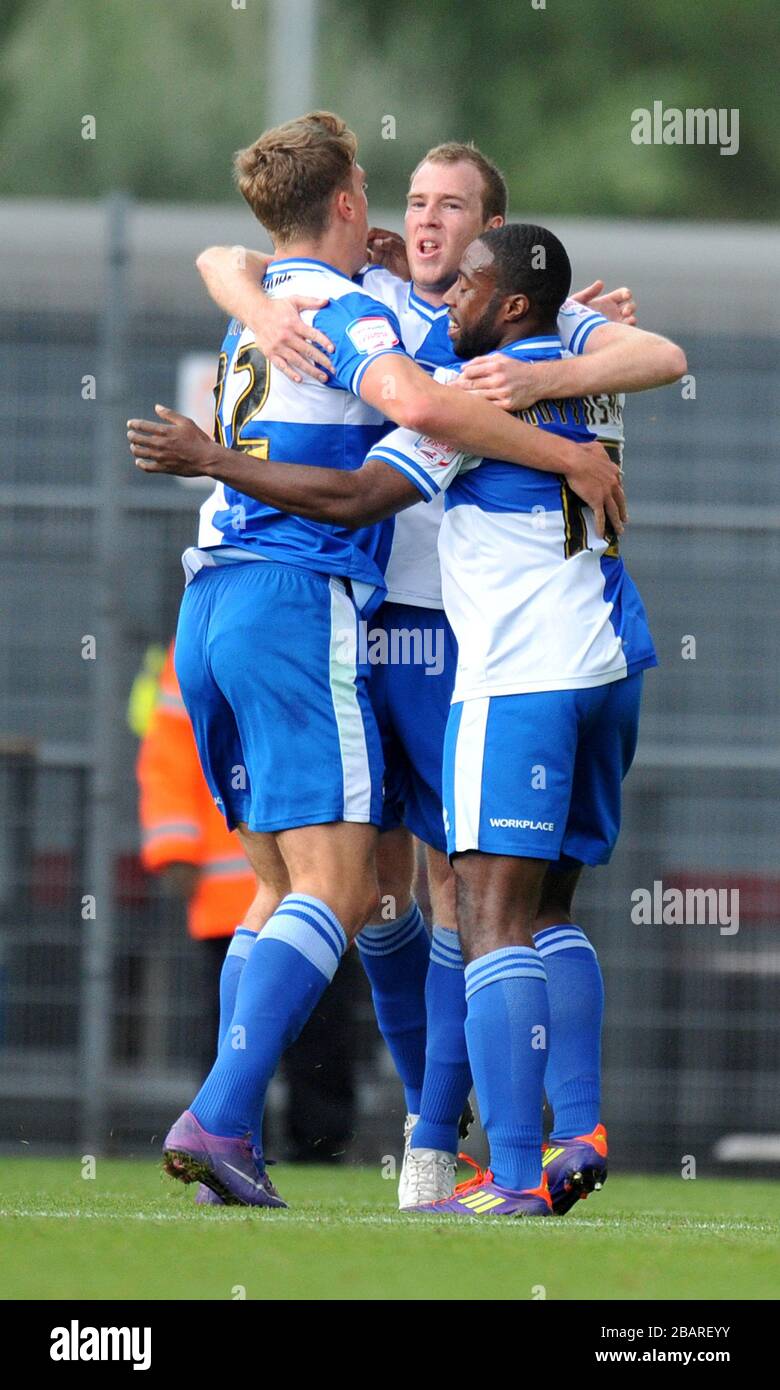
[
  {"x": 357, "y": 904},
  {"x": 396, "y": 870},
  {"x": 354, "y": 901},
  {"x": 269, "y": 895},
  {"x": 557, "y": 896},
  {"x": 369, "y": 898},
  {"x": 497, "y": 898},
  {"x": 552, "y": 914},
  {"x": 355, "y": 893},
  {"x": 394, "y": 896},
  {"x": 479, "y": 941},
  {"x": 441, "y": 886}
]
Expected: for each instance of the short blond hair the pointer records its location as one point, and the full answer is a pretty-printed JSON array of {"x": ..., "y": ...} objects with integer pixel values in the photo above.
[
  {"x": 290, "y": 174},
  {"x": 494, "y": 190}
]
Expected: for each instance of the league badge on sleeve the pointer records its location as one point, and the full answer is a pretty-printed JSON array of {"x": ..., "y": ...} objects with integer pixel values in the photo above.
[
  {"x": 434, "y": 452},
  {"x": 372, "y": 334}
]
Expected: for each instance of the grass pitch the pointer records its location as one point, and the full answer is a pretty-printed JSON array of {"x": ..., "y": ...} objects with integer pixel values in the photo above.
[{"x": 132, "y": 1233}]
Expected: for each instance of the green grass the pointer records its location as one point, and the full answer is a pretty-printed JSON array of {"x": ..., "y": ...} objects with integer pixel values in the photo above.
[{"x": 133, "y": 1233}]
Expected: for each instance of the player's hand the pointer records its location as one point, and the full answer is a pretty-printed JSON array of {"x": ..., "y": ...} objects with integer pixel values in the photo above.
[
  {"x": 388, "y": 249},
  {"x": 507, "y": 382},
  {"x": 176, "y": 446},
  {"x": 619, "y": 306},
  {"x": 292, "y": 346},
  {"x": 599, "y": 482}
]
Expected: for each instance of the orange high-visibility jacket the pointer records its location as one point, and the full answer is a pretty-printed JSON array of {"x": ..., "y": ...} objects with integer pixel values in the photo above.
[{"x": 179, "y": 821}]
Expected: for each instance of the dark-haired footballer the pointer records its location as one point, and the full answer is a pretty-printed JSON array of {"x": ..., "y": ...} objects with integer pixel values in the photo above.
[{"x": 552, "y": 642}]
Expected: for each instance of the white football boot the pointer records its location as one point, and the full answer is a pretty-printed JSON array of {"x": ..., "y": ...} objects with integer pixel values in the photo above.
[{"x": 427, "y": 1175}]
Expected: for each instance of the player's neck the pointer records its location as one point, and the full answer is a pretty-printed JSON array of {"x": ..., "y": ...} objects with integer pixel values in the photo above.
[
  {"x": 528, "y": 328},
  {"x": 329, "y": 249},
  {"x": 432, "y": 297}
]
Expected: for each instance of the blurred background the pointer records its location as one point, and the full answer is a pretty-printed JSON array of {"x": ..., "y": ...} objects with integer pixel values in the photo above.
[{"x": 117, "y": 127}]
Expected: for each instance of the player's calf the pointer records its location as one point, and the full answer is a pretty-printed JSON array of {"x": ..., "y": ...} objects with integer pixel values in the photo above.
[{"x": 507, "y": 1018}]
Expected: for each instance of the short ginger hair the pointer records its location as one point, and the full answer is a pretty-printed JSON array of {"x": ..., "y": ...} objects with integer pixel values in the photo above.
[{"x": 289, "y": 175}]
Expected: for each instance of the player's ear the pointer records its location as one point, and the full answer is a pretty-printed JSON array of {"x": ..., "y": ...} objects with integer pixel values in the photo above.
[
  {"x": 343, "y": 204},
  {"x": 516, "y": 307},
  {"x": 497, "y": 221}
]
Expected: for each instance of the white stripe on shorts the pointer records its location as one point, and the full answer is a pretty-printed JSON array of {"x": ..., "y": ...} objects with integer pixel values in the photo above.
[
  {"x": 349, "y": 716},
  {"x": 469, "y": 757}
]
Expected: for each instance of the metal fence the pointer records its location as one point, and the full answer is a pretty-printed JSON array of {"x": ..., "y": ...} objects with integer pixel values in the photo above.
[{"x": 99, "y": 1012}]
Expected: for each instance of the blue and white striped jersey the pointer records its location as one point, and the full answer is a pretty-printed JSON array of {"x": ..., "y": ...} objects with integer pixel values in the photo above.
[
  {"x": 262, "y": 413},
  {"x": 537, "y": 600},
  {"x": 413, "y": 573}
]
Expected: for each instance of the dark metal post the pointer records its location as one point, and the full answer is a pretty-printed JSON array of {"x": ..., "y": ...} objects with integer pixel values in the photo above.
[{"x": 99, "y": 927}]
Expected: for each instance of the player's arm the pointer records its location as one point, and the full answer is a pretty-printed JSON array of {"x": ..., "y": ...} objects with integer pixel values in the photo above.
[
  {"x": 233, "y": 277},
  {"x": 619, "y": 358},
  {"x": 397, "y": 387},
  {"x": 413, "y": 400},
  {"x": 345, "y": 497},
  {"x": 615, "y": 358},
  {"x": 371, "y": 493}
]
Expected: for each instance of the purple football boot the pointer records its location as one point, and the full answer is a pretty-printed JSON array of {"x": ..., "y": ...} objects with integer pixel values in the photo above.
[
  {"x": 575, "y": 1167},
  {"x": 204, "y": 1197},
  {"x": 230, "y": 1168},
  {"x": 482, "y": 1196}
]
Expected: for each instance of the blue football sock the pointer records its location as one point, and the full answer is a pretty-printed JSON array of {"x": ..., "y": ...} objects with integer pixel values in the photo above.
[
  {"x": 507, "y": 1028},
  {"x": 447, "y": 1068},
  {"x": 241, "y": 944},
  {"x": 576, "y": 992},
  {"x": 293, "y": 960},
  {"x": 395, "y": 958}
]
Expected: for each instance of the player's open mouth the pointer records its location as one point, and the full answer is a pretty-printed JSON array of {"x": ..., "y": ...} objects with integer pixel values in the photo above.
[
  {"x": 453, "y": 327},
  {"x": 426, "y": 247}
]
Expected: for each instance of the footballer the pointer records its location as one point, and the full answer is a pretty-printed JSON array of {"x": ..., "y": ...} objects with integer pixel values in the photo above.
[{"x": 552, "y": 643}]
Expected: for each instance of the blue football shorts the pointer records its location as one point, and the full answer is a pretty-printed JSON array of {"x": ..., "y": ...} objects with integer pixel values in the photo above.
[
  {"x": 268, "y": 663},
  {"x": 414, "y": 655},
  {"x": 539, "y": 775}
]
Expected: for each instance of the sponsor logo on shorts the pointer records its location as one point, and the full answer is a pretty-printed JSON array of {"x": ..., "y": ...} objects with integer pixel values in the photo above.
[{"x": 511, "y": 823}]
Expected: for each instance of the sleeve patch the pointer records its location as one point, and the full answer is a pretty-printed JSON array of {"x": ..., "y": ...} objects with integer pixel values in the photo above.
[
  {"x": 372, "y": 334},
  {"x": 434, "y": 452}
]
